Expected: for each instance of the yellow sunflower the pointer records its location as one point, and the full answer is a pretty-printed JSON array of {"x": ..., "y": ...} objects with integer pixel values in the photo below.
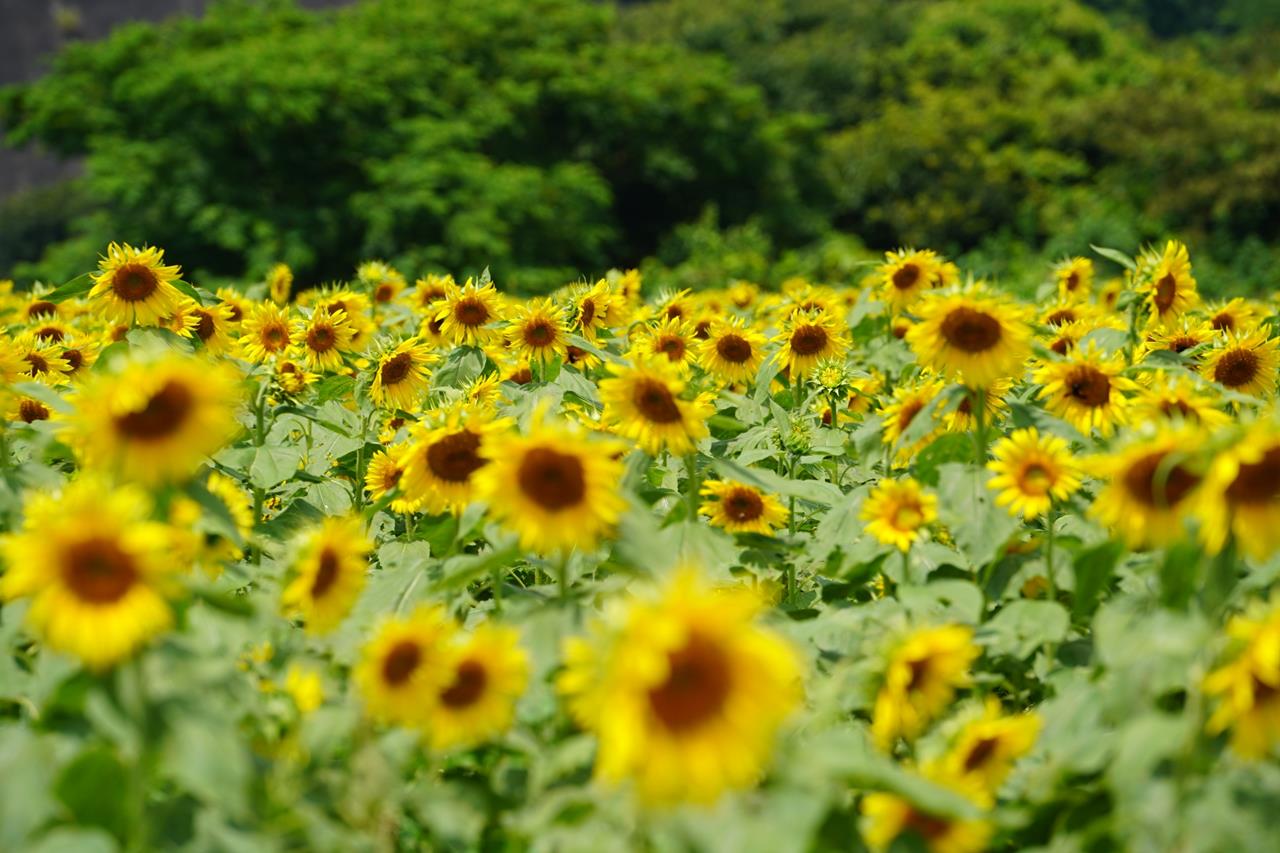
[
  {"x": 266, "y": 331},
  {"x": 906, "y": 274},
  {"x": 97, "y": 569},
  {"x": 1235, "y": 315},
  {"x": 429, "y": 291},
  {"x": 324, "y": 338},
  {"x": 732, "y": 352},
  {"x": 382, "y": 477},
  {"x": 1074, "y": 278},
  {"x": 383, "y": 281},
  {"x": 1178, "y": 335},
  {"x": 280, "y": 284},
  {"x": 890, "y": 818},
  {"x": 685, "y": 693},
  {"x": 1245, "y": 362},
  {"x": 43, "y": 362},
  {"x": 469, "y": 314},
  {"x": 552, "y": 487},
  {"x": 444, "y": 455},
  {"x": 975, "y": 334},
  {"x": 401, "y": 378},
  {"x": 807, "y": 339},
  {"x": 596, "y": 308},
  {"x": 536, "y": 331},
  {"x": 155, "y": 420},
  {"x": 740, "y": 508},
  {"x": 897, "y": 512},
  {"x": 405, "y": 665},
  {"x": 485, "y": 675},
  {"x": 1151, "y": 486},
  {"x": 329, "y": 565},
  {"x": 1087, "y": 390},
  {"x": 671, "y": 339},
  {"x": 1032, "y": 471},
  {"x": 984, "y": 751},
  {"x": 134, "y": 286},
  {"x": 924, "y": 670},
  {"x": 293, "y": 376},
  {"x": 208, "y": 324},
  {"x": 898, "y": 413},
  {"x": 994, "y": 406},
  {"x": 1176, "y": 397},
  {"x": 643, "y": 403},
  {"x": 1242, "y": 494},
  {"x": 79, "y": 354},
  {"x": 1248, "y": 686},
  {"x": 1168, "y": 283}
]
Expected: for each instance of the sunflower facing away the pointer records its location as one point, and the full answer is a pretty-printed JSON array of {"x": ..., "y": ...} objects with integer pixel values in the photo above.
[
  {"x": 536, "y": 331},
  {"x": 732, "y": 352},
  {"x": 897, "y": 512},
  {"x": 445, "y": 453},
  {"x": 1177, "y": 397},
  {"x": 685, "y": 692},
  {"x": 1245, "y": 362},
  {"x": 807, "y": 339},
  {"x": 133, "y": 286},
  {"x": 401, "y": 378},
  {"x": 1087, "y": 390},
  {"x": 1032, "y": 471},
  {"x": 155, "y": 420},
  {"x": 329, "y": 572},
  {"x": 984, "y": 338},
  {"x": 405, "y": 665},
  {"x": 97, "y": 569},
  {"x": 1151, "y": 485},
  {"x": 644, "y": 403},
  {"x": 552, "y": 487},
  {"x": 1242, "y": 494},
  {"x": 485, "y": 674},
  {"x": 739, "y": 508},
  {"x": 924, "y": 670}
]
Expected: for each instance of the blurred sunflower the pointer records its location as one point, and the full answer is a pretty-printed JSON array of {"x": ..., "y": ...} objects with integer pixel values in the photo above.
[
  {"x": 280, "y": 283},
  {"x": 994, "y": 406},
  {"x": 469, "y": 314},
  {"x": 383, "y": 281},
  {"x": 975, "y": 334},
  {"x": 923, "y": 672},
  {"x": 329, "y": 565},
  {"x": 596, "y": 308},
  {"x": 1168, "y": 396},
  {"x": 42, "y": 361},
  {"x": 1151, "y": 485},
  {"x": 210, "y": 325},
  {"x": 1245, "y": 362},
  {"x": 906, "y": 274},
  {"x": 1032, "y": 471},
  {"x": 897, "y": 512},
  {"x": 739, "y": 508},
  {"x": 1087, "y": 390},
  {"x": 807, "y": 339},
  {"x": 1242, "y": 494},
  {"x": 293, "y": 377},
  {"x": 901, "y": 410},
  {"x": 685, "y": 693},
  {"x": 671, "y": 339},
  {"x": 324, "y": 338},
  {"x": 1177, "y": 336},
  {"x": 890, "y": 821},
  {"x": 1235, "y": 315},
  {"x": 428, "y": 292},
  {"x": 484, "y": 676},
  {"x": 536, "y": 331},
  {"x": 382, "y": 477},
  {"x": 984, "y": 751},
  {"x": 444, "y": 455},
  {"x": 134, "y": 286},
  {"x": 732, "y": 352},
  {"x": 1248, "y": 686},
  {"x": 96, "y": 567},
  {"x": 404, "y": 666},
  {"x": 1168, "y": 283},
  {"x": 643, "y": 403},
  {"x": 267, "y": 331},
  {"x": 1074, "y": 279},
  {"x": 401, "y": 378}
]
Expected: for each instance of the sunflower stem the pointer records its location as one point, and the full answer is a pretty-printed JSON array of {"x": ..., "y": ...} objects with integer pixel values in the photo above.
[
  {"x": 835, "y": 412},
  {"x": 1048, "y": 555},
  {"x": 562, "y": 578},
  {"x": 691, "y": 484},
  {"x": 978, "y": 398}
]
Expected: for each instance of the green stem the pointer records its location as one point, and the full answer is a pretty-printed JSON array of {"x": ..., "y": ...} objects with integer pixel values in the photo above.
[
  {"x": 978, "y": 401},
  {"x": 562, "y": 578},
  {"x": 498, "y": 580},
  {"x": 835, "y": 413},
  {"x": 691, "y": 484},
  {"x": 1048, "y": 555}
]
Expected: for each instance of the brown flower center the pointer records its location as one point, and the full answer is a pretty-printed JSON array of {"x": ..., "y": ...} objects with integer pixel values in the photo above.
[
  {"x": 468, "y": 685},
  {"x": 743, "y": 505},
  {"x": 1182, "y": 343},
  {"x": 455, "y": 457},
  {"x": 1142, "y": 483},
  {"x": 908, "y": 413},
  {"x": 809, "y": 340},
  {"x": 326, "y": 572},
  {"x": 734, "y": 349},
  {"x": 236, "y": 314},
  {"x": 395, "y": 369},
  {"x": 400, "y": 662},
  {"x": 471, "y": 312},
  {"x": 39, "y": 364},
  {"x": 698, "y": 683},
  {"x": 97, "y": 570},
  {"x": 539, "y": 333},
  {"x": 654, "y": 401},
  {"x": 134, "y": 282},
  {"x": 906, "y": 276},
  {"x": 702, "y": 330},
  {"x": 970, "y": 330},
  {"x": 1073, "y": 281},
  {"x": 1088, "y": 385},
  {"x": 31, "y": 411},
  {"x": 521, "y": 376},
  {"x": 163, "y": 415},
  {"x": 553, "y": 480},
  {"x": 1223, "y": 322},
  {"x": 41, "y": 308},
  {"x": 672, "y": 346},
  {"x": 50, "y": 333},
  {"x": 321, "y": 338},
  {"x": 1236, "y": 367},
  {"x": 981, "y": 753},
  {"x": 1257, "y": 482},
  {"x": 586, "y": 312},
  {"x": 74, "y": 358},
  {"x": 274, "y": 338},
  {"x": 674, "y": 312},
  {"x": 1061, "y": 317},
  {"x": 1166, "y": 290},
  {"x": 384, "y": 293}
]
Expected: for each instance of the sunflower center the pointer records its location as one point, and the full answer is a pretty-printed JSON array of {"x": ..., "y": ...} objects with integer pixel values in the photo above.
[
  {"x": 743, "y": 505},
  {"x": 1166, "y": 289},
  {"x": 919, "y": 673},
  {"x": 454, "y": 458},
  {"x": 908, "y": 413},
  {"x": 734, "y": 349},
  {"x": 436, "y": 326},
  {"x": 237, "y": 314},
  {"x": 698, "y": 683},
  {"x": 906, "y": 276},
  {"x": 395, "y": 369},
  {"x": 39, "y": 364},
  {"x": 1062, "y": 345},
  {"x": 907, "y": 517},
  {"x": 539, "y": 333},
  {"x": 50, "y": 333},
  {"x": 1061, "y": 317},
  {"x": 808, "y": 340},
  {"x": 521, "y": 376},
  {"x": 204, "y": 325},
  {"x": 674, "y": 312},
  {"x": 586, "y": 312},
  {"x": 384, "y": 293},
  {"x": 98, "y": 571},
  {"x": 1223, "y": 322},
  {"x": 702, "y": 330},
  {"x": 162, "y": 416},
  {"x": 31, "y": 411},
  {"x": 401, "y": 662},
  {"x": 321, "y": 339},
  {"x": 925, "y": 825},
  {"x": 468, "y": 685},
  {"x": 1236, "y": 367},
  {"x": 326, "y": 573},
  {"x": 74, "y": 358},
  {"x": 1257, "y": 482},
  {"x": 574, "y": 355},
  {"x": 1073, "y": 281},
  {"x": 654, "y": 401},
  {"x": 672, "y": 346},
  {"x": 134, "y": 282},
  {"x": 1178, "y": 407},
  {"x": 1036, "y": 479},
  {"x": 981, "y": 753},
  {"x": 1141, "y": 481},
  {"x": 471, "y": 312},
  {"x": 1089, "y": 386},
  {"x": 41, "y": 308},
  {"x": 971, "y": 330},
  {"x": 553, "y": 480},
  {"x": 1182, "y": 343}
]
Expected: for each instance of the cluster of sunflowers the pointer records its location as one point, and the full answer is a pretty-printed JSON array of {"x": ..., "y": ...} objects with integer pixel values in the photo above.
[{"x": 866, "y": 547}]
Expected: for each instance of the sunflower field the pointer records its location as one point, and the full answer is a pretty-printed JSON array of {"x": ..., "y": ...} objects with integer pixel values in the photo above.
[{"x": 899, "y": 562}]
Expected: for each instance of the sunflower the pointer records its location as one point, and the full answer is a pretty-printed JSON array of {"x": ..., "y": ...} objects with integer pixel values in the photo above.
[
  {"x": 486, "y": 673},
  {"x": 924, "y": 670},
  {"x": 1248, "y": 686},
  {"x": 238, "y": 507},
  {"x": 28, "y": 410},
  {"x": 280, "y": 284},
  {"x": 807, "y": 339},
  {"x": 405, "y": 665},
  {"x": 1087, "y": 390},
  {"x": 1176, "y": 397},
  {"x": 536, "y": 331},
  {"x": 134, "y": 286},
  {"x": 552, "y": 487},
  {"x": 685, "y": 693},
  {"x": 1032, "y": 471},
  {"x": 382, "y": 477},
  {"x": 676, "y": 305},
  {"x": 469, "y": 313},
  {"x": 643, "y": 403},
  {"x": 596, "y": 308},
  {"x": 329, "y": 566},
  {"x": 96, "y": 568},
  {"x": 50, "y": 332},
  {"x": 732, "y": 352},
  {"x": 207, "y": 324},
  {"x": 907, "y": 402},
  {"x": 265, "y": 332},
  {"x": 1074, "y": 278},
  {"x": 1066, "y": 313},
  {"x": 1168, "y": 283},
  {"x": 384, "y": 282},
  {"x": 739, "y": 508},
  {"x": 1177, "y": 336},
  {"x": 324, "y": 338},
  {"x": 401, "y": 378},
  {"x": 79, "y": 354},
  {"x": 984, "y": 338},
  {"x": 891, "y": 821},
  {"x": 1245, "y": 362},
  {"x": 1236, "y": 315},
  {"x": 906, "y": 274},
  {"x": 293, "y": 377},
  {"x": 443, "y": 457},
  {"x": 994, "y": 406},
  {"x": 672, "y": 339},
  {"x": 897, "y": 511},
  {"x": 43, "y": 361},
  {"x": 234, "y": 299},
  {"x": 155, "y": 420},
  {"x": 984, "y": 751},
  {"x": 428, "y": 291},
  {"x": 1151, "y": 486},
  {"x": 1242, "y": 494}
]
